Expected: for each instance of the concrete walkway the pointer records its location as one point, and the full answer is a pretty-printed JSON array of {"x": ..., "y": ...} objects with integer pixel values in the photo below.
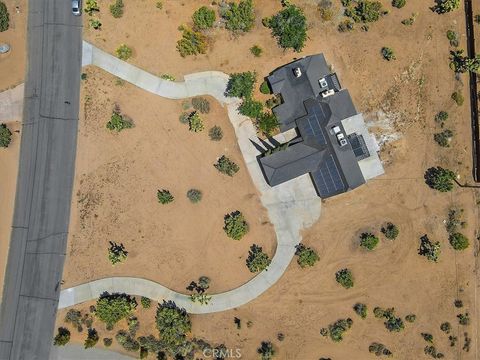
[
  {"x": 11, "y": 104},
  {"x": 291, "y": 206}
]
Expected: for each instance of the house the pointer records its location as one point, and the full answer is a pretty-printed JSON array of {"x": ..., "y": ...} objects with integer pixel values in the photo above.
[{"x": 332, "y": 144}]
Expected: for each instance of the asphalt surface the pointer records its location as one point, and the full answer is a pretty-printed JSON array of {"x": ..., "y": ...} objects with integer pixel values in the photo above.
[{"x": 45, "y": 180}]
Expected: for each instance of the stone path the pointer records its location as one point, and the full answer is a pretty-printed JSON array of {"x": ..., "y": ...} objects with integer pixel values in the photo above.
[{"x": 291, "y": 206}]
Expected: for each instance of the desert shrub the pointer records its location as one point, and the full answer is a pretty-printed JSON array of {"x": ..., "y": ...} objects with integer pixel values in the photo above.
[
  {"x": 143, "y": 353},
  {"x": 411, "y": 318},
  {"x": 273, "y": 101},
  {"x": 203, "y": 18},
  {"x": 167, "y": 77},
  {"x": 429, "y": 249},
  {"x": 306, "y": 256},
  {"x": 184, "y": 117},
  {"x": 338, "y": 328},
  {"x": 379, "y": 349},
  {"x": 62, "y": 338},
  {"x": 235, "y": 225},
  {"x": 454, "y": 220},
  {"x": 127, "y": 341},
  {"x": 461, "y": 64},
  {"x": 390, "y": 231},
  {"x": 378, "y": 312},
  {"x": 452, "y": 36},
  {"x": 458, "y": 98},
  {"x": 458, "y": 303},
  {"x": 133, "y": 324},
  {"x": 239, "y": 17},
  {"x": 5, "y": 136},
  {"x": 146, "y": 302},
  {"x": 124, "y": 52},
  {"x": 441, "y": 117},
  {"x": 368, "y": 241},
  {"x": 107, "y": 342},
  {"x": 241, "y": 84},
  {"x": 392, "y": 323},
  {"x": 267, "y": 123},
  {"x": 4, "y": 17},
  {"x": 91, "y": 6},
  {"x": 92, "y": 339},
  {"x": 119, "y": 122},
  {"x": 74, "y": 317},
  {"x": 476, "y": 18},
  {"x": 345, "y": 278},
  {"x": 266, "y": 350},
  {"x": 150, "y": 343},
  {"x": 251, "y": 108},
  {"x": 326, "y": 10},
  {"x": 226, "y": 166},
  {"x": 446, "y": 327},
  {"x": 215, "y": 133},
  {"x": 365, "y": 11},
  {"x": 443, "y": 138},
  {"x": 264, "y": 88},
  {"x": 280, "y": 336},
  {"x": 445, "y": 6},
  {"x": 439, "y": 178},
  {"x": 360, "y": 310},
  {"x": 398, "y": 3},
  {"x": 116, "y": 9},
  {"x": 173, "y": 323},
  {"x": 195, "y": 123},
  {"x": 411, "y": 20},
  {"x": 458, "y": 241},
  {"x": 194, "y": 195},
  {"x": 432, "y": 351},
  {"x": 388, "y": 53},
  {"x": 256, "y": 50},
  {"x": 427, "y": 337},
  {"x": 95, "y": 23},
  {"x": 111, "y": 308},
  {"x": 324, "y": 331},
  {"x": 159, "y": 5},
  {"x": 464, "y": 319},
  {"x": 289, "y": 26},
  {"x": 191, "y": 43},
  {"x": 201, "y": 104},
  {"x": 345, "y": 25},
  {"x": 117, "y": 253},
  {"x": 164, "y": 197},
  {"x": 257, "y": 260}
]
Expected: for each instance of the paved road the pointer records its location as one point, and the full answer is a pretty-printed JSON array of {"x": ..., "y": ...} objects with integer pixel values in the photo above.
[{"x": 46, "y": 170}]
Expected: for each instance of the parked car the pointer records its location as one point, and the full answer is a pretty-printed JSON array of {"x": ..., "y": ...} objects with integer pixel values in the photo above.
[{"x": 76, "y": 7}]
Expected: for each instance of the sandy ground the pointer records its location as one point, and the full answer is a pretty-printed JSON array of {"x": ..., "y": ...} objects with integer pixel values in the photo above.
[{"x": 399, "y": 99}]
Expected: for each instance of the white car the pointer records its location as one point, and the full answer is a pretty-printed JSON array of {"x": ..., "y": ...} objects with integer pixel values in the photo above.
[{"x": 76, "y": 7}]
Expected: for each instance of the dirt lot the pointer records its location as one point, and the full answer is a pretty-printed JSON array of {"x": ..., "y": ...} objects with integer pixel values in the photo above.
[{"x": 399, "y": 98}]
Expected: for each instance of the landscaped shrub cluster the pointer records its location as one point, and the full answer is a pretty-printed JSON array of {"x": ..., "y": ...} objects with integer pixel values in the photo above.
[
  {"x": 192, "y": 42},
  {"x": 235, "y": 225},
  {"x": 195, "y": 122},
  {"x": 117, "y": 253},
  {"x": 452, "y": 36},
  {"x": 173, "y": 323},
  {"x": 127, "y": 341},
  {"x": 238, "y": 17},
  {"x": 116, "y": 9},
  {"x": 92, "y": 339},
  {"x": 201, "y": 104},
  {"x": 306, "y": 256},
  {"x": 345, "y": 278},
  {"x": 62, "y": 338},
  {"x": 5, "y": 136},
  {"x": 399, "y": 3},
  {"x": 91, "y": 6},
  {"x": 124, "y": 52},
  {"x": 365, "y": 11},
  {"x": 390, "y": 231},
  {"x": 118, "y": 121},
  {"x": 445, "y": 6},
  {"x": 164, "y": 196},
  {"x": 338, "y": 328},
  {"x": 203, "y": 18},
  {"x": 4, "y": 17},
  {"x": 146, "y": 302},
  {"x": 361, "y": 310},
  {"x": 215, "y": 133},
  {"x": 326, "y": 10},
  {"x": 257, "y": 260},
  {"x": 392, "y": 323},
  {"x": 443, "y": 138},
  {"x": 368, "y": 241},
  {"x": 111, "y": 308},
  {"x": 241, "y": 85},
  {"x": 457, "y": 240},
  {"x": 461, "y": 63},
  {"x": 226, "y": 166},
  {"x": 431, "y": 250},
  {"x": 379, "y": 349},
  {"x": 439, "y": 178}
]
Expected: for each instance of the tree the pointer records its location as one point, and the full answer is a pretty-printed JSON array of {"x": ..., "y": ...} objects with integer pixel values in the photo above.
[
  {"x": 226, "y": 166},
  {"x": 117, "y": 253},
  {"x": 111, "y": 308},
  {"x": 191, "y": 43},
  {"x": 215, "y": 133},
  {"x": 338, "y": 328},
  {"x": 398, "y": 3},
  {"x": 195, "y": 123},
  {"x": 345, "y": 278},
  {"x": 444, "y": 6},
  {"x": 235, "y": 225},
  {"x": 388, "y": 53},
  {"x": 173, "y": 323},
  {"x": 257, "y": 260},
  {"x": 267, "y": 123},
  {"x": 239, "y": 17},
  {"x": 5, "y": 136},
  {"x": 306, "y": 256},
  {"x": 194, "y": 195},
  {"x": 368, "y": 241},
  {"x": 361, "y": 310},
  {"x": 116, "y": 9},
  {"x": 439, "y": 178},
  {"x": 92, "y": 339},
  {"x": 429, "y": 249},
  {"x": 62, "y": 338},
  {"x": 4, "y": 17},
  {"x": 164, "y": 197},
  {"x": 289, "y": 26},
  {"x": 241, "y": 84},
  {"x": 390, "y": 231},
  {"x": 146, "y": 302},
  {"x": 458, "y": 241},
  {"x": 461, "y": 63},
  {"x": 251, "y": 108},
  {"x": 266, "y": 350},
  {"x": 203, "y": 18}
]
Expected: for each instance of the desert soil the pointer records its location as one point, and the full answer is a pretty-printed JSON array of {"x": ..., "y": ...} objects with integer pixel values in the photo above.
[{"x": 118, "y": 175}]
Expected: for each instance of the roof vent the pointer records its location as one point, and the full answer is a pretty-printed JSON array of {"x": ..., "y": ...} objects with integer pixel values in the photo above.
[{"x": 297, "y": 72}]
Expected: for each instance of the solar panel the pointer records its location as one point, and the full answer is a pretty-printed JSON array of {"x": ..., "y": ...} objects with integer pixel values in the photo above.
[
  {"x": 327, "y": 178},
  {"x": 358, "y": 146},
  {"x": 314, "y": 128}
]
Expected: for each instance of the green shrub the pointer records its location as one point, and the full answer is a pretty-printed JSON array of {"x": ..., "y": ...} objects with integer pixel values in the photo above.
[
  {"x": 379, "y": 349},
  {"x": 235, "y": 225},
  {"x": 92, "y": 339},
  {"x": 257, "y": 260},
  {"x": 427, "y": 337},
  {"x": 324, "y": 331},
  {"x": 454, "y": 220},
  {"x": 117, "y": 253},
  {"x": 464, "y": 319},
  {"x": 159, "y": 5},
  {"x": 241, "y": 84},
  {"x": 4, "y": 17},
  {"x": 306, "y": 256},
  {"x": 458, "y": 98},
  {"x": 411, "y": 318},
  {"x": 361, "y": 310},
  {"x": 195, "y": 123},
  {"x": 256, "y": 50},
  {"x": 458, "y": 241},
  {"x": 445, "y": 6},
  {"x": 446, "y": 327},
  {"x": 392, "y": 323},
  {"x": 411, "y": 20},
  {"x": 289, "y": 26},
  {"x": 267, "y": 123},
  {"x": 111, "y": 308},
  {"x": 390, "y": 231},
  {"x": 439, "y": 178},
  {"x": 443, "y": 138},
  {"x": 124, "y": 52},
  {"x": 91, "y": 6},
  {"x": 452, "y": 36},
  {"x": 251, "y": 108},
  {"x": 429, "y": 249},
  {"x": 388, "y": 54},
  {"x": 143, "y": 353},
  {"x": 266, "y": 350},
  {"x": 365, "y": 11},
  {"x": 398, "y": 3},
  {"x": 194, "y": 195},
  {"x": 345, "y": 25},
  {"x": 167, "y": 77},
  {"x": 191, "y": 43},
  {"x": 461, "y": 63},
  {"x": 441, "y": 117},
  {"x": 74, "y": 317},
  {"x": 173, "y": 323},
  {"x": 5, "y": 136},
  {"x": 95, "y": 23},
  {"x": 62, "y": 338},
  {"x": 203, "y": 18},
  {"x": 215, "y": 133},
  {"x": 345, "y": 278},
  {"x": 265, "y": 88},
  {"x": 116, "y": 9},
  {"x": 239, "y": 17},
  {"x": 127, "y": 341},
  {"x": 119, "y": 122},
  {"x": 368, "y": 241},
  {"x": 378, "y": 312},
  {"x": 226, "y": 166},
  {"x": 107, "y": 342},
  {"x": 338, "y": 328},
  {"x": 201, "y": 104},
  {"x": 146, "y": 302},
  {"x": 164, "y": 197}
]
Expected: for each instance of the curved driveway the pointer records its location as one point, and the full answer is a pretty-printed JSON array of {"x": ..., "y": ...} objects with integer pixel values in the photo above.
[{"x": 291, "y": 206}]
